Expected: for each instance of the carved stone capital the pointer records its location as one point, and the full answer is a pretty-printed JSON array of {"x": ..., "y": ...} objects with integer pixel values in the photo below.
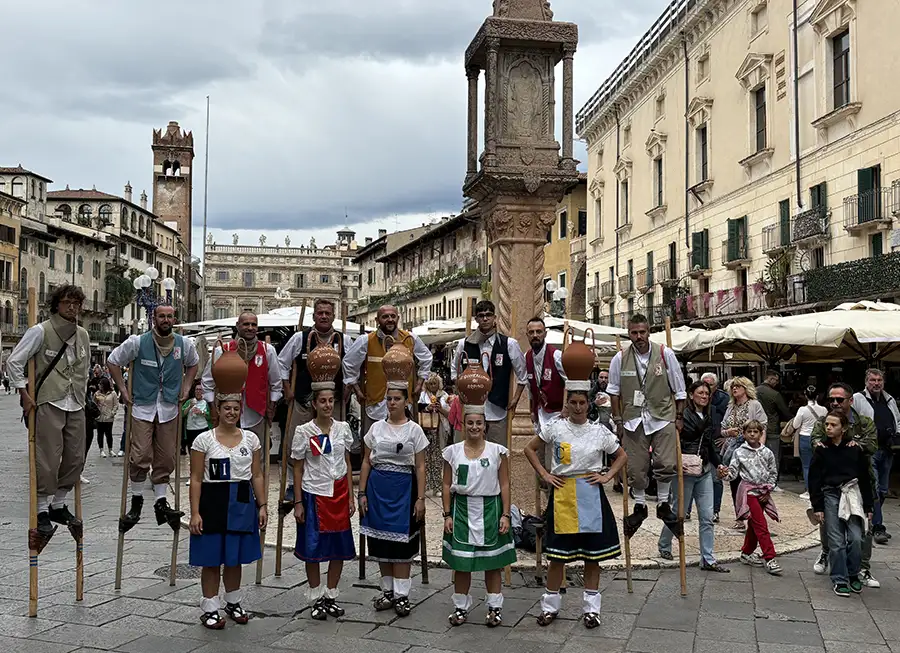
[{"x": 473, "y": 72}]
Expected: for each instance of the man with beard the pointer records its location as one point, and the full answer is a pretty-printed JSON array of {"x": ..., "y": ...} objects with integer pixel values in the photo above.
[
  {"x": 546, "y": 377},
  {"x": 364, "y": 357},
  {"x": 262, "y": 389},
  {"x": 505, "y": 360},
  {"x": 648, "y": 394},
  {"x": 294, "y": 353},
  {"x": 62, "y": 354},
  {"x": 165, "y": 365}
]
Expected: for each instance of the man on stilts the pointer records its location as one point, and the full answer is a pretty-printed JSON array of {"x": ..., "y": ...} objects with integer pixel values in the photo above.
[
  {"x": 647, "y": 389},
  {"x": 506, "y": 359},
  {"x": 165, "y": 364},
  {"x": 262, "y": 390},
  {"x": 62, "y": 356},
  {"x": 295, "y": 352}
]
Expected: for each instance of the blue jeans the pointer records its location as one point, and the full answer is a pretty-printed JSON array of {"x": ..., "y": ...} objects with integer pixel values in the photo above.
[
  {"x": 805, "y": 457},
  {"x": 845, "y": 540},
  {"x": 698, "y": 489},
  {"x": 718, "y": 490},
  {"x": 881, "y": 465}
]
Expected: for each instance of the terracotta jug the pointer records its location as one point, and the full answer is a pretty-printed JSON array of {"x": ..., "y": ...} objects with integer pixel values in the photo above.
[
  {"x": 323, "y": 363},
  {"x": 229, "y": 371},
  {"x": 397, "y": 363},
  {"x": 578, "y": 359},
  {"x": 474, "y": 384}
]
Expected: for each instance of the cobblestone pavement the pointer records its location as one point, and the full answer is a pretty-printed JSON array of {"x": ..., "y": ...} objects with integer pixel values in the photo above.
[{"x": 740, "y": 612}]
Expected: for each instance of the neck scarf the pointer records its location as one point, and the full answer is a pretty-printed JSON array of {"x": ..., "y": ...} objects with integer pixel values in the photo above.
[
  {"x": 247, "y": 348},
  {"x": 164, "y": 344},
  {"x": 477, "y": 337},
  {"x": 64, "y": 329}
]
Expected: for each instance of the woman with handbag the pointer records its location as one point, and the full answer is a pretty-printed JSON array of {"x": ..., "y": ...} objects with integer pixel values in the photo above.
[
  {"x": 801, "y": 429},
  {"x": 699, "y": 462},
  {"x": 433, "y": 411}
]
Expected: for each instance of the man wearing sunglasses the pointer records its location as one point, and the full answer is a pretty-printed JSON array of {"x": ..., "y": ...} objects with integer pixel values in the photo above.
[
  {"x": 864, "y": 434},
  {"x": 506, "y": 359}
]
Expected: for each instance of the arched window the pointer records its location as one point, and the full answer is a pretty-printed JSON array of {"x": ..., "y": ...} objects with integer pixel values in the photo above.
[
  {"x": 176, "y": 169},
  {"x": 96, "y": 306},
  {"x": 33, "y": 189},
  {"x": 23, "y": 319},
  {"x": 41, "y": 284},
  {"x": 23, "y": 283},
  {"x": 167, "y": 166},
  {"x": 96, "y": 269},
  {"x": 141, "y": 225},
  {"x": 80, "y": 268},
  {"x": 8, "y": 314},
  {"x": 133, "y": 222},
  {"x": 18, "y": 188},
  {"x": 124, "y": 219},
  {"x": 105, "y": 214},
  {"x": 41, "y": 186},
  {"x": 85, "y": 212},
  {"x": 64, "y": 212}
]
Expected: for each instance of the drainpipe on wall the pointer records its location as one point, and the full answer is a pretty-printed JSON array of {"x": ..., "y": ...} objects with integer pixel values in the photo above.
[
  {"x": 797, "y": 111},
  {"x": 687, "y": 136}
]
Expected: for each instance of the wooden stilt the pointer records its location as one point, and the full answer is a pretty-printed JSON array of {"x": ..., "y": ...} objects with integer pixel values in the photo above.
[
  {"x": 363, "y": 422},
  {"x": 32, "y": 472},
  {"x": 176, "y": 534},
  {"x": 267, "y": 448},
  {"x": 680, "y": 473},
  {"x": 423, "y": 550},
  {"x": 79, "y": 546},
  {"x": 123, "y": 508},
  {"x": 625, "y": 508}
]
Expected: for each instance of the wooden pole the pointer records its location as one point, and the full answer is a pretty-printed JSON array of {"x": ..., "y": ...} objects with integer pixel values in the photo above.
[
  {"x": 279, "y": 534},
  {"x": 423, "y": 549},
  {"x": 679, "y": 471},
  {"x": 267, "y": 445},
  {"x": 32, "y": 471},
  {"x": 120, "y": 547},
  {"x": 79, "y": 545},
  {"x": 176, "y": 534},
  {"x": 363, "y": 420},
  {"x": 510, "y": 415},
  {"x": 624, "y": 473}
]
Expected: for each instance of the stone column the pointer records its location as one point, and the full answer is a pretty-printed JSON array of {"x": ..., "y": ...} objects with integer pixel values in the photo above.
[
  {"x": 491, "y": 106},
  {"x": 472, "y": 152},
  {"x": 568, "y": 102}
]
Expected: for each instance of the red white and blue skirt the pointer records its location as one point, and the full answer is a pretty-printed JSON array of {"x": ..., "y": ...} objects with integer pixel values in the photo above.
[
  {"x": 230, "y": 526},
  {"x": 325, "y": 534}
]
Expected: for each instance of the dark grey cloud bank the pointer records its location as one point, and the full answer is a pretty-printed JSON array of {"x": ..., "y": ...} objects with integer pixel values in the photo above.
[{"x": 318, "y": 108}]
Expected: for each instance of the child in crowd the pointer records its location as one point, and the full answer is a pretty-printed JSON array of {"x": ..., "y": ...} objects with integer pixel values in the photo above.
[
  {"x": 840, "y": 490},
  {"x": 755, "y": 465}
]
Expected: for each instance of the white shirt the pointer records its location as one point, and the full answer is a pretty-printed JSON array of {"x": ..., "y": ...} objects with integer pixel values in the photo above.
[
  {"x": 676, "y": 385},
  {"x": 355, "y": 358},
  {"x": 481, "y": 476},
  {"x": 196, "y": 416},
  {"x": 320, "y": 469},
  {"x": 395, "y": 445},
  {"x": 28, "y": 347},
  {"x": 807, "y": 416},
  {"x": 493, "y": 412},
  {"x": 128, "y": 351},
  {"x": 578, "y": 448},
  {"x": 292, "y": 348},
  {"x": 545, "y": 416},
  {"x": 249, "y": 417},
  {"x": 240, "y": 457}
]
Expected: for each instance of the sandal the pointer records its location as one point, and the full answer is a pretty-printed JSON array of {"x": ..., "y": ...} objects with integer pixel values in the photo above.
[
  {"x": 402, "y": 606},
  {"x": 591, "y": 620},
  {"x": 546, "y": 618},
  {"x": 458, "y": 618},
  {"x": 237, "y": 613},
  {"x": 383, "y": 602},
  {"x": 318, "y": 611},
  {"x": 212, "y": 620},
  {"x": 494, "y": 617},
  {"x": 333, "y": 609}
]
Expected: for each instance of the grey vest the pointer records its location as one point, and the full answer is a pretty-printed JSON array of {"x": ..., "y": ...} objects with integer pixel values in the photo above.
[
  {"x": 64, "y": 376},
  {"x": 653, "y": 382}
]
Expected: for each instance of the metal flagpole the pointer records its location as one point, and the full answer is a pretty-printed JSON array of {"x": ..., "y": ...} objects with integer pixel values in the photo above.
[{"x": 205, "y": 203}]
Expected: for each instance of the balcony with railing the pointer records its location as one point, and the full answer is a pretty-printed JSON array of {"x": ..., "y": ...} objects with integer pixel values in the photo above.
[
  {"x": 8, "y": 285},
  {"x": 607, "y": 321},
  {"x": 666, "y": 273},
  {"x": 810, "y": 228},
  {"x": 644, "y": 279},
  {"x": 870, "y": 209},
  {"x": 735, "y": 253},
  {"x": 626, "y": 285},
  {"x": 593, "y": 295},
  {"x": 578, "y": 246},
  {"x": 607, "y": 290},
  {"x": 775, "y": 238}
]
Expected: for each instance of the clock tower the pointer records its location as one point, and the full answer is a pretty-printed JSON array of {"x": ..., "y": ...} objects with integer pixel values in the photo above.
[{"x": 173, "y": 156}]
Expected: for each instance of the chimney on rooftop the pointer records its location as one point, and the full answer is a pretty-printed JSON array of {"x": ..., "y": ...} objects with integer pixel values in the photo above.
[
  {"x": 128, "y": 192},
  {"x": 144, "y": 200},
  {"x": 368, "y": 239},
  {"x": 382, "y": 233}
]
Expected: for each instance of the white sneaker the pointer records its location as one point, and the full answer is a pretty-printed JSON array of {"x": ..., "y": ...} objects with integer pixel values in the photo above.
[
  {"x": 752, "y": 559},
  {"x": 865, "y": 577},
  {"x": 805, "y": 496},
  {"x": 103, "y": 453},
  {"x": 187, "y": 483},
  {"x": 777, "y": 489},
  {"x": 84, "y": 481},
  {"x": 120, "y": 453},
  {"x": 821, "y": 565}
]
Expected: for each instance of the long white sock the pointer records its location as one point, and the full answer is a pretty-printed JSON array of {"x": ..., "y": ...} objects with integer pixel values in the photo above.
[
  {"x": 495, "y": 600},
  {"x": 590, "y": 601},
  {"x": 402, "y": 587},
  {"x": 662, "y": 490},
  {"x": 462, "y": 601},
  {"x": 159, "y": 491},
  {"x": 551, "y": 602},
  {"x": 43, "y": 503},
  {"x": 234, "y": 597},
  {"x": 59, "y": 499},
  {"x": 315, "y": 593},
  {"x": 640, "y": 497},
  {"x": 210, "y": 604},
  {"x": 332, "y": 593},
  {"x": 387, "y": 583},
  {"x": 137, "y": 488}
]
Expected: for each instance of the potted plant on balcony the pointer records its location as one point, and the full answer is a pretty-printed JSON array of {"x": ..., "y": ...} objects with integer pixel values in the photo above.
[{"x": 774, "y": 280}]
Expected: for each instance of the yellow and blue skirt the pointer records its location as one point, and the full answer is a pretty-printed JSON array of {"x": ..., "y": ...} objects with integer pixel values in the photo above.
[{"x": 580, "y": 524}]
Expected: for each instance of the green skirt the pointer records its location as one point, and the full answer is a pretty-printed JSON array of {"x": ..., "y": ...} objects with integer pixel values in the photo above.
[{"x": 476, "y": 543}]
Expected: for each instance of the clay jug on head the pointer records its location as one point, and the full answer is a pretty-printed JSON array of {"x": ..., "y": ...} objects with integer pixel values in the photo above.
[
  {"x": 578, "y": 359},
  {"x": 229, "y": 371},
  {"x": 474, "y": 384},
  {"x": 323, "y": 363},
  {"x": 397, "y": 362}
]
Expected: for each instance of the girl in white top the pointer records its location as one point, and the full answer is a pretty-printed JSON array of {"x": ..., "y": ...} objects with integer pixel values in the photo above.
[
  {"x": 226, "y": 475},
  {"x": 804, "y": 422},
  {"x": 320, "y": 450},
  {"x": 392, "y": 498}
]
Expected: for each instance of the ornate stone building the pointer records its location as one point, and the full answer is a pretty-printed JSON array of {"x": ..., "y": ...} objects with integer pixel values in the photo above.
[
  {"x": 10, "y": 229},
  {"x": 264, "y": 277},
  {"x": 564, "y": 240}
]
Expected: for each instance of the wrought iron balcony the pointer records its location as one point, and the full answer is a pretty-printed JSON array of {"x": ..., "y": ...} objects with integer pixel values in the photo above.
[
  {"x": 775, "y": 238},
  {"x": 644, "y": 279},
  {"x": 872, "y": 208},
  {"x": 607, "y": 290},
  {"x": 735, "y": 254},
  {"x": 626, "y": 285},
  {"x": 593, "y": 295},
  {"x": 666, "y": 273},
  {"x": 810, "y": 228}
]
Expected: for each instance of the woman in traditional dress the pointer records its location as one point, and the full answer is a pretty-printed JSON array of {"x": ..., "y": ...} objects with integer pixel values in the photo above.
[
  {"x": 580, "y": 524},
  {"x": 228, "y": 507},
  {"x": 476, "y": 512},
  {"x": 322, "y": 469},
  {"x": 392, "y": 496}
]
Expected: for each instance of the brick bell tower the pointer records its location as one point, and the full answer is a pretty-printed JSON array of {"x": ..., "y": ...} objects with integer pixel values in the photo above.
[{"x": 173, "y": 157}]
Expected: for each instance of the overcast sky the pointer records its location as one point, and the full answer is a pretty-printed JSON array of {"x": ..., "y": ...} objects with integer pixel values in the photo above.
[{"x": 319, "y": 109}]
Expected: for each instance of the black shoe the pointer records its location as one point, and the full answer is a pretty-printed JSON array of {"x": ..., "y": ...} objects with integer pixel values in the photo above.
[
  {"x": 633, "y": 522},
  {"x": 133, "y": 516},
  {"x": 670, "y": 519},
  {"x": 45, "y": 527},
  {"x": 167, "y": 515},
  {"x": 61, "y": 515},
  {"x": 880, "y": 534},
  {"x": 617, "y": 488}
]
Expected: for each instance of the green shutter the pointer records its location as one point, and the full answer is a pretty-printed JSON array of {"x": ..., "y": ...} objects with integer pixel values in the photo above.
[
  {"x": 877, "y": 244},
  {"x": 818, "y": 196},
  {"x": 696, "y": 249},
  {"x": 705, "y": 264},
  {"x": 732, "y": 240},
  {"x": 784, "y": 213},
  {"x": 745, "y": 237}
]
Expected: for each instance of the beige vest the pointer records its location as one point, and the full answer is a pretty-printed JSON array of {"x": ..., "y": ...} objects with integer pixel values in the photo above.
[
  {"x": 64, "y": 376},
  {"x": 653, "y": 382}
]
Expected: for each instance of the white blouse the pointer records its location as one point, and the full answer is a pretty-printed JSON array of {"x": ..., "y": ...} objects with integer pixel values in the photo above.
[
  {"x": 479, "y": 477},
  {"x": 578, "y": 448},
  {"x": 395, "y": 445},
  {"x": 226, "y": 464}
]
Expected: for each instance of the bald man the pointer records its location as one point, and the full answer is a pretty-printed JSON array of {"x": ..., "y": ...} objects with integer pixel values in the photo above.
[{"x": 365, "y": 356}]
